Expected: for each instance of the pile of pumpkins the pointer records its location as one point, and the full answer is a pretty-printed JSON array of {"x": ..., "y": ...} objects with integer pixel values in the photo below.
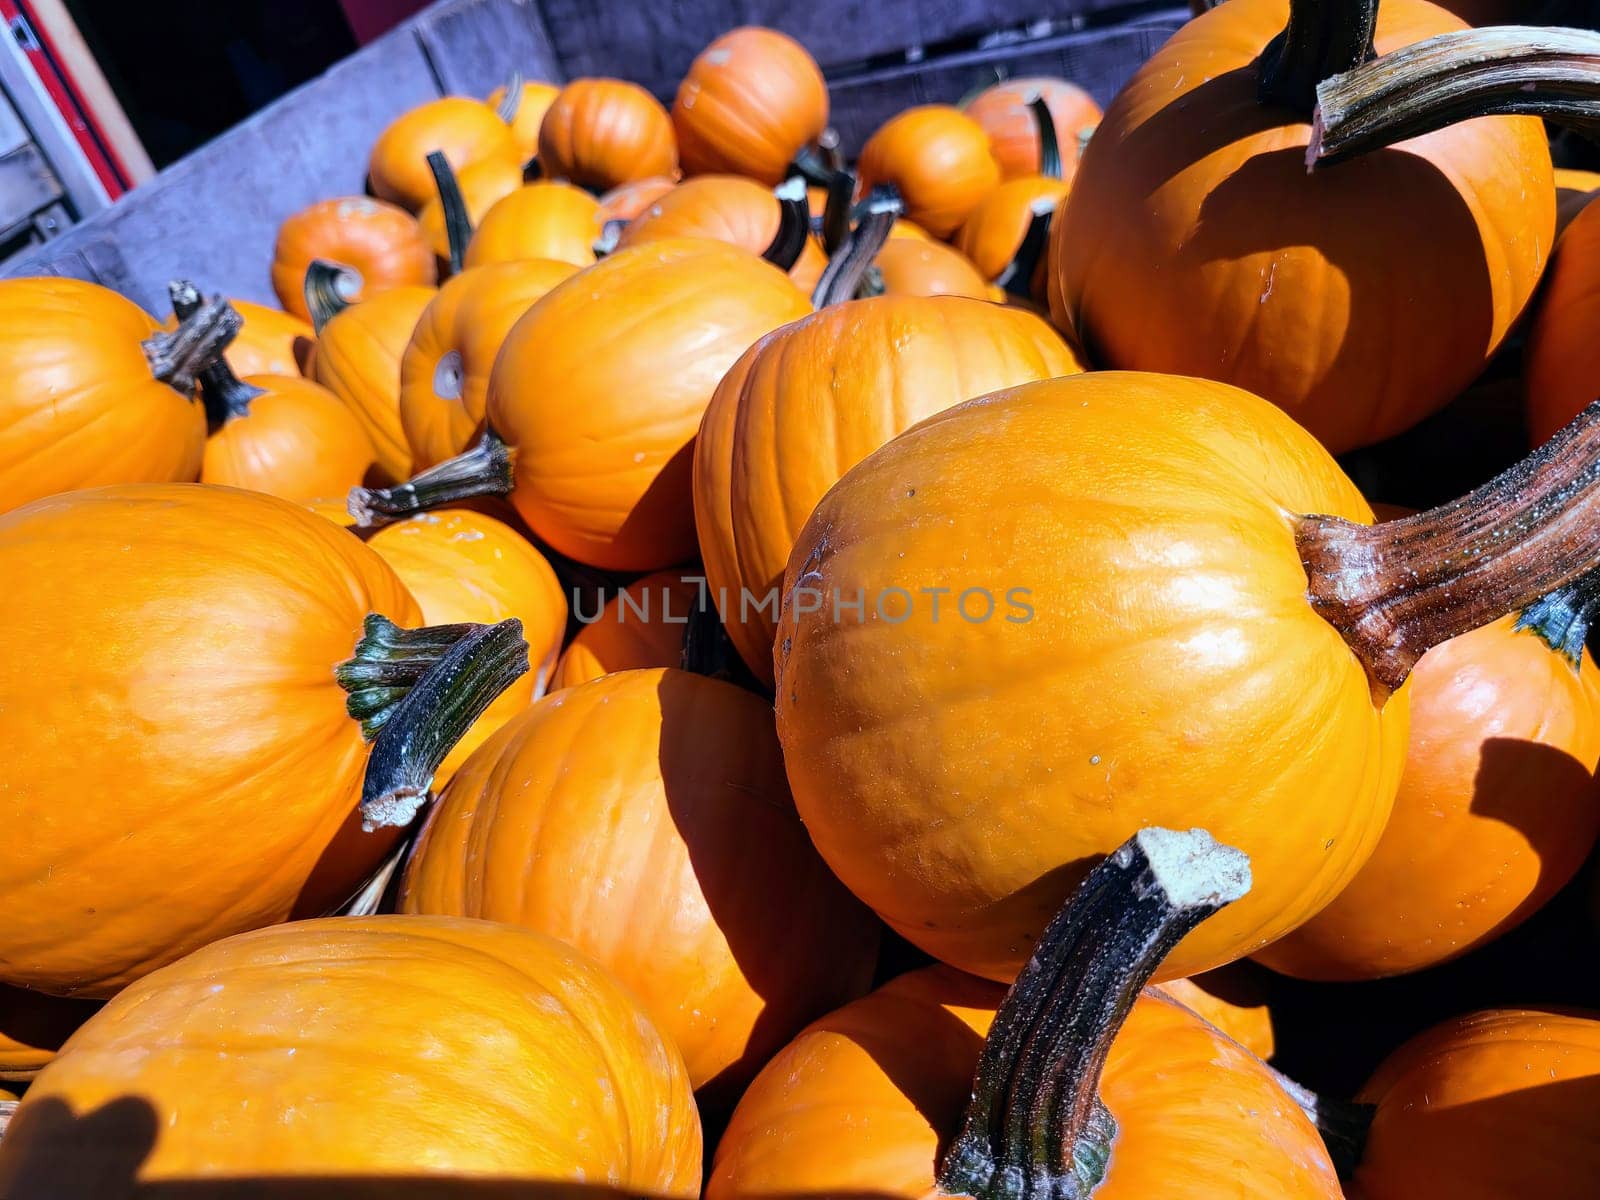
[{"x": 677, "y": 665}]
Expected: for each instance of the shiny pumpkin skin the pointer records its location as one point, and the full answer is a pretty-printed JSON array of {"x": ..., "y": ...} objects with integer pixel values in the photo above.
[
  {"x": 751, "y": 100},
  {"x": 545, "y": 219},
  {"x": 626, "y": 201},
  {"x": 32, "y": 1028},
  {"x": 1164, "y": 666},
  {"x": 1249, "y": 1024},
  {"x": 1003, "y": 112},
  {"x": 643, "y": 818},
  {"x": 601, "y": 386},
  {"x": 464, "y": 566},
  {"x": 298, "y": 441},
  {"x": 1561, "y": 364},
  {"x": 535, "y": 102},
  {"x": 246, "y": 1054},
  {"x": 1497, "y": 810},
  {"x": 991, "y": 236},
  {"x": 176, "y": 644},
  {"x": 270, "y": 342},
  {"x": 1574, "y": 190},
  {"x": 442, "y": 399},
  {"x": 938, "y": 158},
  {"x": 911, "y": 266},
  {"x": 468, "y": 131},
  {"x": 1452, "y": 1100},
  {"x": 1360, "y": 298},
  {"x": 1197, "y": 1117},
  {"x": 483, "y": 185},
  {"x": 358, "y": 360},
  {"x": 645, "y": 630},
  {"x": 809, "y": 401},
  {"x": 382, "y": 243},
  {"x": 601, "y": 133},
  {"x": 79, "y": 407}
]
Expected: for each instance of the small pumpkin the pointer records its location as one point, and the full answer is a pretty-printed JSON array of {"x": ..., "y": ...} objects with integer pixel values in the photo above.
[
  {"x": 642, "y": 626},
  {"x": 626, "y": 201},
  {"x": 465, "y": 130},
  {"x": 524, "y": 112},
  {"x": 380, "y": 245},
  {"x": 1561, "y": 363},
  {"x": 751, "y": 101},
  {"x": 483, "y": 185},
  {"x": 909, "y": 266},
  {"x": 938, "y": 159},
  {"x": 1574, "y": 190},
  {"x": 505, "y": 1057},
  {"x": 548, "y": 220},
  {"x": 994, "y": 236},
  {"x": 601, "y": 133},
  {"x": 270, "y": 342},
  {"x": 32, "y": 1028},
  {"x": 1004, "y": 110}
]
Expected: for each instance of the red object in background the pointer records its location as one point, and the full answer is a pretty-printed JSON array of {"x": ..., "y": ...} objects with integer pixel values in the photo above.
[{"x": 370, "y": 18}]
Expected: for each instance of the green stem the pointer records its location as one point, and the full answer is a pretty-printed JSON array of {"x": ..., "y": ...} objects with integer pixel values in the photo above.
[
  {"x": 1323, "y": 38},
  {"x": 1562, "y": 618},
  {"x": 1035, "y": 1126},
  {"x": 484, "y": 470},
  {"x": 512, "y": 100},
  {"x": 457, "y": 221},
  {"x": 177, "y": 358},
  {"x": 1017, "y": 278},
  {"x": 1049, "y": 145},
  {"x": 848, "y": 267},
  {"x": 225, "y": 396},
  {"x": 330, "y": 288}
]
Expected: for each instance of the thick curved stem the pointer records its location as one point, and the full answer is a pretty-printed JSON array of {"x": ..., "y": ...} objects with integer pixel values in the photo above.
[
  {"x": 457, "y": 222},
  {"x": 846, "y": 270},
  {"x": 330, "y": 289},
  {"x": 1017, "y": 278},
  {"x": 1516, "y": 70},
  {"x": 223, "y": 393},
  {"x": 179, "y": 357},
  {"x": 1035, "y": 1125},
  {"x": 1562, "y": 618},
  {"x": 1323, "y": 38},
  {"x": 794, "y": 224},
  {"x": 1049, "y": 144},
  {"x": 821, "y": 161},
  {"x": 484, "y": 470},
  {"x": 511, "y": 101},
  {"x": 836, "y": 212}
]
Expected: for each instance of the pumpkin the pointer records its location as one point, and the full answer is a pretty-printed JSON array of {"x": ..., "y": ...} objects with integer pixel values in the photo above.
[
  {"x": 359, "y": 349},
  {"x": 643, "y": 819},
  {"x": 751, "y": 100},
  {"x": 909, "y": 266},
  {"x": 188, "y": 649},
  {"x": 1574, "y": 190},
  {"x": 246, "y": 1061},
  {"x": 938, "y": 159},
  {"x": 1072, "y": 1084},
  {"x": 642, "y": 626},
  {"x": 601, "y": 133},
  {"x": 444, "y": 374},
  {"x": 1561, "y": 363},
  {"x": 1141, "y": 627},
  {"x": 994, "y": 232},
  {"x": 1003, "y": 111},
  {"x": 94, "y": 392},
  {"x": 380, "y": 245},
  {"x": 270, "y": 342},
  {"x": 483, "y": 185},
  {"x": 539, "y": 220},
  {"x": 1213, "y": 997},
  {"x": 524, "y": 112},
  {"x": 626, "y": 201},
  {"x": 1448, "y": 1099},
  {"x": 597, "y": 394},
  {"x": 1361, "y": 298},
  {"x": 32, "y": 1028},
  {"x": 809, "y": 401},
  {"x": 466, "y": 131}
]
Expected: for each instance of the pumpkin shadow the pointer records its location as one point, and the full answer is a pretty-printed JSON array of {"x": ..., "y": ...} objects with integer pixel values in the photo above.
[{"x": 666, "y": 509}]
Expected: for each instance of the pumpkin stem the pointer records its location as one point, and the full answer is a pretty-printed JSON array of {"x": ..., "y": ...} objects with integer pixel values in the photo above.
[
  {"x": 1323, "y": 38},
  {"x": 177, "y": 358},
  {"x": 416, "y": 692},
  {"x": 1017, "y": 278},
  {"x": 1035, "y": 1125},
  {"x": 843, "y": 275},
  {"x": 512, "y": 100},
  {"x": 610, "y": 235},
  {"x": 483, "y": 470},
  {"x": 1343, "y": 1124},
  {"x": 1397, "y": 589},
  {"x": 836, "y": 212},
  {"x": 1562, "y": 618},
  {"x": 223, "y": 393},
  {"x": 794, "y": 224},
  {"x": 1511, "y": 70},
  {"x": 821, "y": 161},
  {"x": 1049, "y": 145},
  {"x": 457, "y": 223},
  {"x": 330, "y": 289}
]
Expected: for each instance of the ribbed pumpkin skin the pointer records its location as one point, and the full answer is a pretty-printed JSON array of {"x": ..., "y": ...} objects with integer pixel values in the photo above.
[
  {"x": 271, "y": 341},
  {"x": 175, "y": 644},
  {"x": 358, "y": 360},
  {"x": 991, "y": 236},
  {"x": 483, "y": 185},
  {"x": 1003, "y": 112},
  {"x": 644, "y": 819},
  {"x": 466, "y": 130},
  {"x": 1497, "y": 810},
  {"x": 503, "y": 1054},
  {"x": 626, "y": 201},
  {"x": 1449, "y": 1100},
  {"x": 1561, "y": 365},
  {"x": 546, "y": 219},
  {"x": 1197, "y": 1118},
  {"x": 645, "y": 630},
  {"x": 750, "y": 101},
  {"x": 442, "y": 399},
  {"x": 381, "y": 242},
  {"x": 600, "y": 388},
  {"x": 1167, "y": 668},
  {"x": 298, "y": 441},
  {"x": 809, "y": 401},
  {"x": 32, "y": 1028},
  {"x": 600, "y": 133},
  {"x": 464, "y": 566},
  {"x": 912, "y": 266},
  {"x": 938, "y": 158},
  {"x": 1360, "y": 299},
  {"x": 535, "y": 102}
]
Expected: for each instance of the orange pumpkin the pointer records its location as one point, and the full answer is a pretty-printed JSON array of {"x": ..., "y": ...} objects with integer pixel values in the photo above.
[
  {"x": 532, "y": 101},
  {"x": 382, "y": 246},
  {"x": 642, "y": 626},
  {"x": 597, "y": 394},
  {"x": 626, "y": 201},
  {"x": 674, "y": 859},
  {"x": 938, "y": 159},
  {"x": 32, "y": 1028},
  {"x": 209, "y": 636},
  {"x": 1561, "y": 364},
  {"x": 751, "y": 100},
  {"x": 483, "y": 185},
  {"x": 270, "y": 342},
  {"x": 601, "y": 133},
  {"x": 909, "y": 266},
  {"x": 466, "y": 131},
  {"x": 285, "y": 436},
  {"x": 1003, "y": 111},
  {"x": 808, "y": 402},
  {"x": 94, "y": 392},
  {"x": 539, "y": 220},
  {"x": 242, "y": 1058},
  {"x": 1360, "y": 298},
  {"x": 1244, "y": 1017},
  {"x": 994, "y": 232},
  {"x": 444, "y": 375},
  {"x": 1574, "y": 190}
]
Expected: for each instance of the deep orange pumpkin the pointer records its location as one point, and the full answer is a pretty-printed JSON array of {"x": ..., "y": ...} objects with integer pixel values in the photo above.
[
  {"x": 1247, "y": 1020},
  {"x": 539, "y": 220},
  {"x": 601, "y": 133},
  {"x": 288, "y": 437},
  {"x": 643, "y": 626},
  {"x": 1003, "y": 112},
  {"x": 991, "y": 236},
  {"x": 911, "y": 266},
  {"x": 626, "y": 201},
  {"x": 466, "y": 131},
  {"x": 532, "y": 104},
  {"x": 483, "y": 185},
  {"x": 939, "y": 160},
  {"x": 382, "y": 244},
  {"x": 1561, "y": 365}
]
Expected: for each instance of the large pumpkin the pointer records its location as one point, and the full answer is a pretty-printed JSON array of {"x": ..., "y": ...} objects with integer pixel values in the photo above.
[
  {"x": 1561, "y": 365},
  {"x": 809, "y": 401},
  {"x": 600, "y": 133},
  {"x": 540, "y": 220},
  {"x": 527, "y": 111},
  {"x": 939, "y": 160},
  {"x": 380, "y": 244},
  {"x": 496, "y": 1058},
  {"x": 483, "y": 185},
  {"x": 1359, "y": 297},
  {"x": 1003, "y": 111},
  {"x": 751, "y": 100},
  {"x": 464, "y": 130},
  {"x": 643, "y": 625}
]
